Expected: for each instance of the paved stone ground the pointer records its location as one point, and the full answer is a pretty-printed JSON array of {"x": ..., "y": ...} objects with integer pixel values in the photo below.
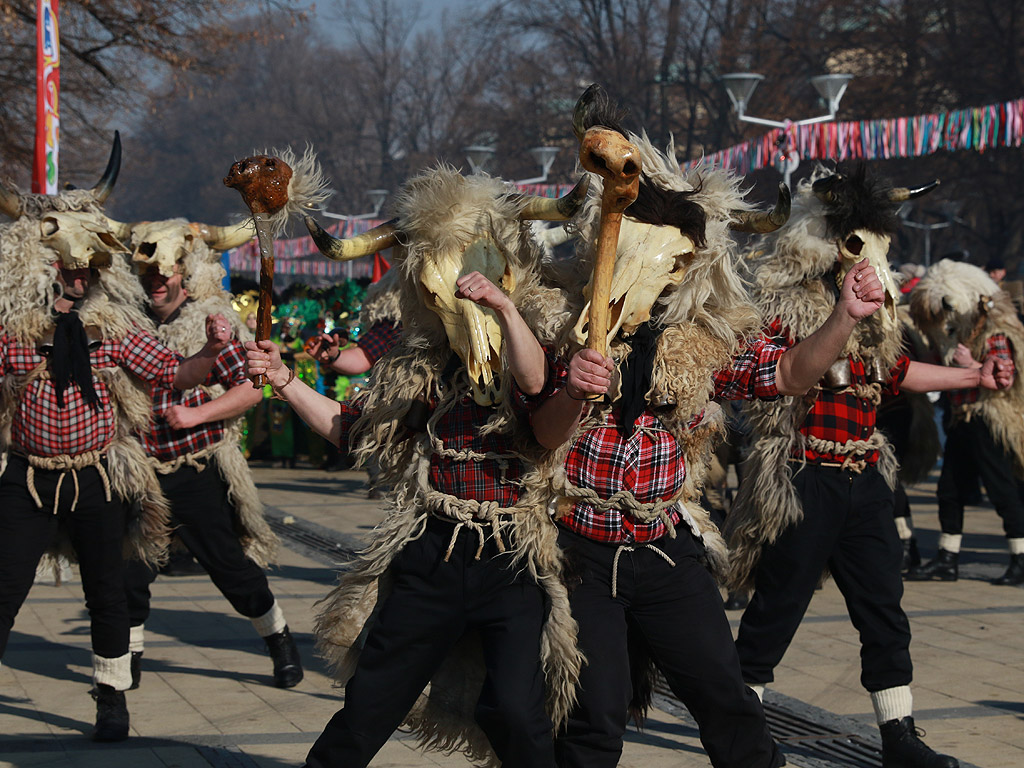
[{"x": 207, "y": 699}]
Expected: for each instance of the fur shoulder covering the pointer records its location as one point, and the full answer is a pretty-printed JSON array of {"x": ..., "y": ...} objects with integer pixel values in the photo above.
[{"x": 382, "y": 303}]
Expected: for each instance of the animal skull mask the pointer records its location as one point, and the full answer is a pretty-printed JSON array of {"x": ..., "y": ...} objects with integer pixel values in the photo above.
[
  {"x": 161, "y": 244},
  {"x": 81, "y": 239},
  {"x": 862, "y": 244},
  {"x": 473, "y": 331},
  {"x": 649, "y": 260}
]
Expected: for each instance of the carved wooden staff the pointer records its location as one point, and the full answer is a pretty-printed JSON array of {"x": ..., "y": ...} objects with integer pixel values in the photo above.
[
  {"x": 609, "y": 155},
  {"x": 263, "y": 183}
]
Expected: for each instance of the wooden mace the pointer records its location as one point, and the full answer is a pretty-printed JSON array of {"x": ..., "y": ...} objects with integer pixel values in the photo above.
[{"x": 263, "y": 183}]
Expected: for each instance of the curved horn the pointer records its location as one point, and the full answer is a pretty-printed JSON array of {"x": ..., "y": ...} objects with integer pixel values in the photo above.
[
  {"x": 580, "y": 111},
  {"x": 10, "y": 202},
  {"x": 120, "y": 229},
  {"x": 560, "y": 209},
  {"x": 764, "y": 221},
  {"x": 902, "y": 194},
  {"x": 106, "y": 183},
  {"x": 377, "y": 239},
  {"x": 225, "y": 238}
]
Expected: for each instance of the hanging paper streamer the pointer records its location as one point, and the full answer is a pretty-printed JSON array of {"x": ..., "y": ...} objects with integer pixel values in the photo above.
[
  {"x": 975, "y": 128},
  {"x": 44, "y": 166}
]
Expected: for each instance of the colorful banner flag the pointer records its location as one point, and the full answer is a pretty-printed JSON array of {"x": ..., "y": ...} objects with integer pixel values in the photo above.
[{"x": 44, "y": 168}]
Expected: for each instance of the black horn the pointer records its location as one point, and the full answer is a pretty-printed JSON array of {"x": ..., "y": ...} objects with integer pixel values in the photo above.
[
  {"x": 761, "y": 222},
  {"x": 106, "y": 183},
  {"x": 902, "y": 194}
]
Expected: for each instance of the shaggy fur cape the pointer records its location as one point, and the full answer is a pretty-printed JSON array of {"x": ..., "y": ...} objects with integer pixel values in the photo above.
[
  {"x": 442, "y": 209},
  {"x": 957, "y": 303},
  {"x": 186, "y": 334},
  {"x": 793, "y": 282},
  {"x": 114, "y": 306}
]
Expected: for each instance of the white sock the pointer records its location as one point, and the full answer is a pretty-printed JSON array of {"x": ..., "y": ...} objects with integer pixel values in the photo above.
[
  {"x": 903, "y": 528},
  {"x": 117, "y": 673},
  {"x": 758, "y": 689},
  {"x": 137, "y": 639},
  {"x": 271, "y": 622},
  {"x": 950, "y": 542},
  {"x": 892, "y": 703},
  {"x": 1016, "y": 546}
]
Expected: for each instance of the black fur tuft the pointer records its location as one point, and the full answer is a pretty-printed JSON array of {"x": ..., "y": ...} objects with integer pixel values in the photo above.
[
  {"x": 855, "y": 200},
  {"x": 665, "y": 207}
]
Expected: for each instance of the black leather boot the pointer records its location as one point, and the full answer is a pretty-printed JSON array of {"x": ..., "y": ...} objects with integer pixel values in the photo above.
[
  {"x": 944, "y": 567},
  {"x": 1014, "y": 574},
  {"x": 287, "y": 665},
  {"x": 111, "y": 714},
  {"x": 902, "y": 747},
  {"x": 136, "y": 669},
  {"x": 911, "y": 557}
]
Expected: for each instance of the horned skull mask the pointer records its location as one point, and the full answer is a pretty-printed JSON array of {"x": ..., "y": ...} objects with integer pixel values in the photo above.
[
  {"x": 80, "y": 239},
  {"x": 650, "y": 259},
  {"x": 161, "y": 244}
]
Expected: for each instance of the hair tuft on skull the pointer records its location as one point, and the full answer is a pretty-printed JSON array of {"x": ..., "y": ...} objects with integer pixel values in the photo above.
[{"x": 855, "y": 200}]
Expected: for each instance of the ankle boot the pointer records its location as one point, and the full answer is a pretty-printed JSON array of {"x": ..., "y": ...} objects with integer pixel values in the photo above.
[
  {"x": 943, "y": 568},
  {"x": 902, "y": 747},
  {"x": 1014, "y": 574},
  {"x": 136, "y": 663},
  {"x": 911, "y": 556},
  {"x": 111, "y": 714},
  {"x": 287, "y": 665}
]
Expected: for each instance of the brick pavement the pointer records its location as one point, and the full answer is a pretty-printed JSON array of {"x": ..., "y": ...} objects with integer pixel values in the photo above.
[{"x": 206, "y": 697}]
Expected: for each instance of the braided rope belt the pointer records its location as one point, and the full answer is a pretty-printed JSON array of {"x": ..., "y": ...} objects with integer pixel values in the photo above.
[
  {"x": 65, "y": 464},
  {"x": 197, "y": 460},
  {"x": 850, "y": 449}
]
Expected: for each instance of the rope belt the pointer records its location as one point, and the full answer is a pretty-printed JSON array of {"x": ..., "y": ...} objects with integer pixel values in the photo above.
[
  {"x": 850, "y": 449},
  {"x": 64, "y": 464},
  {"x": 196, "y": 460},
  {"x": 631, "y": 548},
  {"x": 481, "y": 516}
]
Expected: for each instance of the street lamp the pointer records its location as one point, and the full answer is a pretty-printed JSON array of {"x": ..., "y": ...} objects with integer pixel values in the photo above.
[
  {"x": 478, "y": 156},
  {"x": 740, "y": 86},
  {"x": 950, "y": 209},
  {"x": 545, "y": 157}
]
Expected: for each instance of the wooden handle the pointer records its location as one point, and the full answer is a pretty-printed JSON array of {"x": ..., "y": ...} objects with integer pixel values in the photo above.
[
  {"x": 604, "y": 269},
  {"x": 264, "y": 318}
]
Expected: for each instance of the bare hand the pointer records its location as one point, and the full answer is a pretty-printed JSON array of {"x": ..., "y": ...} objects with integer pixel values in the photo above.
[
  {"x": 862, "y": 293},
  {"x": 962, "y": 358},
  {"x": 482, "y": 291},
  {"x": 264, "y": 357},
  {"x": 181, "y": 417},
  {"x": 996, "y": 373},
  {"x": 590, "y": 373},
  {"x": 218, "y": 332},
  {"x": 324, "y": 348}
]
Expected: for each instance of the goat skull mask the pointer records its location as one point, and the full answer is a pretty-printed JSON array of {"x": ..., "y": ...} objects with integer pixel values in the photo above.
[{"x": 80, "y": 239}]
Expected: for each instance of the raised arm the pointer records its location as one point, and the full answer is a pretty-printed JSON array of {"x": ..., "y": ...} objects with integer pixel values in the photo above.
[
  {"x": 555, "y": 421},
  {"x": 192, "y": 371},
  {"x": 804, "y": 364},
  {"x": 321, "y": 413}
]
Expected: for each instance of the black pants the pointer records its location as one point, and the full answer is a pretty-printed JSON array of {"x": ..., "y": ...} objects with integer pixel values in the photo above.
[
  {"x": 96, "y": 530},
  {"x": 848, "y": 527},
  {"x": 971, "y": 453},
  {"x": 679, "y": 612},
  {"x": 204, "y": 519},
  {"x": 433, "y": 603}
]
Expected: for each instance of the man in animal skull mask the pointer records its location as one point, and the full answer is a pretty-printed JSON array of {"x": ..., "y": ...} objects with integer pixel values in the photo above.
[
  {"x": 818, "y": 486},
  {"x": 629, "y": 470},
  {"x": 74, "y": 357},
  {"x": 193, "y": 444},
  {"x": 465, "y": 565}
]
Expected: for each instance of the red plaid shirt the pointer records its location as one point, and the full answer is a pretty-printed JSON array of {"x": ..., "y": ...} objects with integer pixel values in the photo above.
[
  {"x": 378, "y": 339},
  {"x": 842, "y": 416},
  {"x": 651, "y": 464},
  {"x": 491, "y": 479},
  {"x": 167, "y": 444},
  {"x": 42, "y": 428},
  {"x": 998, "y": 346}
]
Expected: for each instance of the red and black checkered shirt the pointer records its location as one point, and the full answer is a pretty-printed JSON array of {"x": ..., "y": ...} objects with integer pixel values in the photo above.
[
  {"x": 42, "y": 428},
  {"x": 842, "y": 416},
  {"x": 167, "y": 444},
  {"x": 650, "y": 464},
  {"x": 378, "y": 339},
  {"x": 490, "y": 479},
  {"x": 998, "y": 346}
]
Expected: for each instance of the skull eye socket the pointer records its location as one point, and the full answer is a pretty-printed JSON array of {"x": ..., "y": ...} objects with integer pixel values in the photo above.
[
  {"x": 147, "y": 249},
  {"x": 854, "y": 245},
  {"x": 682, "y": 261}
]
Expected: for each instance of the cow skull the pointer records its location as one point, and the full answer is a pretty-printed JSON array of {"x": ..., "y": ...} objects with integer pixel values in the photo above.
[
  {"x": 649, "y": 260},
  {"x": 80, "y": 239},
  {"x": 862, "y": 244}
]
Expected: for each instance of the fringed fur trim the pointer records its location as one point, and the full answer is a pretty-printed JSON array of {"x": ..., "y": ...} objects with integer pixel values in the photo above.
[
  {"x": 260, "y": 543},
  {"x": 382, "y": 303},
  {"x": 958, "y": 303},
  {"x": 132, "y": 478}
]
